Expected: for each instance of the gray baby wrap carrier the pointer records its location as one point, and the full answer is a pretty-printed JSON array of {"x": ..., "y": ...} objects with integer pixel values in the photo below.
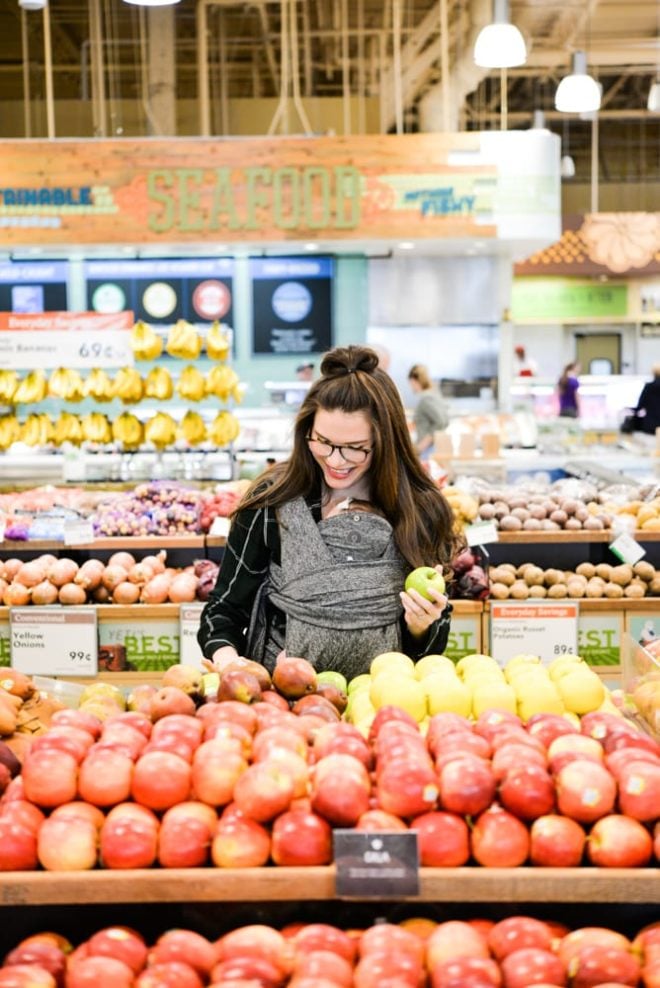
[{"x": 338, "y": 585}]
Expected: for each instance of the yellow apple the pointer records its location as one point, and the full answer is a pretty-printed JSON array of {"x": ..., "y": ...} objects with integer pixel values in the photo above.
[
  {"x": 399, "y": 690},
  {"x": 433, "y": 663},
  {"x": 489, "y": 695},
  {"x": 446, "y": 694},
  {"x": 391, "y": 662}
]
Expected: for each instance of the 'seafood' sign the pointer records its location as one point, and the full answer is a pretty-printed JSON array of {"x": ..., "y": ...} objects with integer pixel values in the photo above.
[{"x": 543, "y": 628}]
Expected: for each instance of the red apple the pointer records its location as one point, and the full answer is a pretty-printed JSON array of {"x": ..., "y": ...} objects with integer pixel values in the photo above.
[
  {"x": 78, "y": 718},
  {"x": 257, "y": 940},
  {"x": 24, "y": 813},
  {"x": 399, "y": 747},
  {"x": 384, "y": 936},
  {"x": 173, "y": 743},
  {"x": 229, "y": 710},
  {"x": 514, "y": 756},
  {"x": 161, "y": 779},
  {"x": 278, "y": 736},
  {"x": 68, "y": 844},
  {"x": 190, "y": 729},
  {"x": 574, "y": 747},
  {"x": 466, "y": 972},
  {"x": 407, "y": 788},
  {"x": 511, "y": 734},
  {"x": 99, "y": 972},
  {"x": 467, "y": 787},
  {"x": 528, "y": 792},
  {"x": 126, "y": 736},
  {"x": 639, "y": 790},
  {"x": 444, "y": 723},
  {"x": 443, "y": 839},
  {"x": 50, "y": 777},
  {"x": 263, "y": 791},
  {"x": 42, "y": 954},
  {"x": 341, "y": 738},
  {"x": 499, "y": 839},
  {"x": 618, "y": 841},
  {"x": 129, "y": 837},
  {"x": 452, "y": 940},
  {"x": 134, "y": 718},
  {"x": 370, "y": 971},
  {"x": 556, "y": 842},
  {"x": 323, "y": 963},
  {"x": 66, "y": 738},
  {"x": 546, "y": 727},
  {"x": 26, "y": 976},
  {"x": 187, "y": 947},
  {"x": 215, "y": 771},
  {"x": 174, "y": 974},
  {"x": 105, "y": 777},
  {"x": 79, "y": 809},
  {"x": 301, "y": 838},
  {"x": 387, "y": 713},
  {"x": 18, "y": 846},
  {"x": 247, "y": 971},
  {"x": 374, "y": 820},
  {"x": 585, "y": 791},
  {"x": 240, "y": 843},
  {"x": 517, "y": 932},
  {"x": 170, "y": 700},
  {"x": 229, "y": 730},
  {"x": 532, "y": 966},
  {"x": 275, "y": 699},
  {"x": 120, "y": 942},
  {"x": 467, "y": 744},
  {"x": 616, "y": 760},
  {"x": 185, "y": 835},
  {"x": 313, "y": 937},
  {"x": 595, "y": 964},
  {"x": 599, "y": 936},
  {"x": 490, "y": 721}
]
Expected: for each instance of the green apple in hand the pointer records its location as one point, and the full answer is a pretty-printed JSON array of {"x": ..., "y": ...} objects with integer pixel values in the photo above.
[{"x": 424, "y": 578}]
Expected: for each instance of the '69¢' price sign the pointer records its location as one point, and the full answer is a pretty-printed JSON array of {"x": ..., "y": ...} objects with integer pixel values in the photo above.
[{"x": 54, "y": 641}]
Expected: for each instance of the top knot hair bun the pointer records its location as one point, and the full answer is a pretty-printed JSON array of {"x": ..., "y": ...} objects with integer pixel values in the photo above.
[{"x": 349, "y": 360}]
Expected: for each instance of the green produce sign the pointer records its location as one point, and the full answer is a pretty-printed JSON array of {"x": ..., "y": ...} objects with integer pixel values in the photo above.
[
  {"x": 599, "y": 638},
  {"x": 545, "y": 299},
  {"x": 464, "y": 637},
  {"x": 151, "y": 646},
  {"x": 5, "y": 639}
]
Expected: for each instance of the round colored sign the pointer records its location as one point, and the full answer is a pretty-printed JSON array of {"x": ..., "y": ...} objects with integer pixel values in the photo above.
[
  {"x": 292, "y": 301},
  {"x": 211, "y": 299},
  {"x": 159, "y": 300},
  {"x": 108, "y": 299}
]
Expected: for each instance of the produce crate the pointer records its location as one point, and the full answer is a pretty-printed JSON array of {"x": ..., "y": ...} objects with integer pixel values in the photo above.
[{"x": 641, "y": 683}]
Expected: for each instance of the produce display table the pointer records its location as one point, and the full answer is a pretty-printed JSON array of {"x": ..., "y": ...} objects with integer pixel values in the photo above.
[{"x": 497, "y": 885}]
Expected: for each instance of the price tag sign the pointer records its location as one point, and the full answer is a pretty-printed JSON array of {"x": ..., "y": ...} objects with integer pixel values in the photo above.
[
  {"x": 220, "y": 527},
  {"x": 189, "y": 615},
  {"x": 481, "y": 533},
  {"x": 546, "y": 628},
  {"x": 379, "y": 865},
  {"x": 54, "y": 641},
  {"x": 627, "y": 549},
  {"x": 78, "y": 531}
]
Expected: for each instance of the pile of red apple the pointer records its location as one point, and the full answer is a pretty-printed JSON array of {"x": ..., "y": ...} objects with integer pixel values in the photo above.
[
  {"x": 418, "y": 953},
  {"x": 240, "y": 785}
]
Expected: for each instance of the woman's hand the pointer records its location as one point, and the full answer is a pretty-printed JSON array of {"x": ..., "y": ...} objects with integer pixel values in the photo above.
[
  {"x": 222, "y": 657},
  {"x": 420, "y": 613}
]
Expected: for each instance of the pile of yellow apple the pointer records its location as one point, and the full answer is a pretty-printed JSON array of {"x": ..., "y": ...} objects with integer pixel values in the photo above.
[{"x": 525, "y": 686}]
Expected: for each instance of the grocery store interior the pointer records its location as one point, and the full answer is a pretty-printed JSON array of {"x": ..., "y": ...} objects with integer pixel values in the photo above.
[{"x": 198, "y": 199}]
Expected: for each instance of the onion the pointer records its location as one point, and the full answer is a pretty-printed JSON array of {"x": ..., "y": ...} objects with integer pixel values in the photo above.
[
  {"x": 157, "y": 563},
  {"x": 16, "y": 595},
  {"x": 62, "y": 571},
  {"x": 123, "y": 559},
  {"x": 10, "y": 568},
  {"x": 140, "y": 573},
  {"x": 44, "y": 593},
  {"x": 90, "y": 574},
  {"x": 71, "y": 593},
  {"x": 126, "y": 593},
  {"x": 183, "y": 588},
  {"x": 156, "y": 590},
  {"x": 113, "y": 576},
  {"x": 3, "y": 587},
  {"x": 101, "y": 595},
  {"x": 29, "y": 574}
]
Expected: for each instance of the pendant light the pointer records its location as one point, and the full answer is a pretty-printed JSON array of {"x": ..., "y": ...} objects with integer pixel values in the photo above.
[
  {"x": 653, "y": 102},
  {"x": 567, "y": 164},
  {"x": 500, "y": 45},
  {"x": 32, "y": 4},
  {"x": 152, "y": 3},
  {"x": 578, "y": 92}
]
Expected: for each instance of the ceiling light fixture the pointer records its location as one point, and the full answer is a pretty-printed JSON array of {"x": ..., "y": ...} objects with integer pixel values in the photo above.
[
  {"x": 500, "y": 45},
  {"x": 33, "y": 4},
  {"x": 567, "y": 166},
  {"x": 653, "y": 102},
  {"x": 406, "y": 245},
  {"x": 578, "y": 92},
  {"x": 152, "y": 3}
]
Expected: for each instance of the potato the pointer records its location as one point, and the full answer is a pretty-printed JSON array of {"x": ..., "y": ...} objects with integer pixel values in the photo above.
[
  {"x": 573, "y": 525},
  {"x": 634, "y": 590},
  {"x": 521, "y": 570},
  {"x": 646, "y": 571},
  {"x": 499, "y": 591},
  {"x": 501, "y": 509},
  {"x": 603, "y": 570},
  {"x": 487, "y": 511},
  {"x": 508, "y": 566},
  {"x": 613, "y": 590},
  {"x": 532, "y": 525},
  {"x": 559, "y": 515},
  {"x": 570, "y": 505},
  {"x": 586, "y": 569},
  {"x": 538, "y": 511},
  {"x": 558, "y": 590},
  {"x": 519, "y": 590},
  {"x": 576, "y": 588},
  {"x": 552, "y": 576},
  {"x": 654, "y": 585},
  {"x": 521, "y": 513},
  {"x": 502, "y": 574},
  {"x": 537, "y": 592},
  {"x": 509, "y": 523},
  {"x": 591, "y": 524},
  {"x": 595, "y": 588},
  {"x": 550, "y": 526},
  {"x": 533, "y": 576},
  {"x": 621, "y": 574}
]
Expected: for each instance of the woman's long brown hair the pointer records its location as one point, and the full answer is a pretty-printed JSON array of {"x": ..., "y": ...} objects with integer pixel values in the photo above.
[{"x": 351, "y": 381}]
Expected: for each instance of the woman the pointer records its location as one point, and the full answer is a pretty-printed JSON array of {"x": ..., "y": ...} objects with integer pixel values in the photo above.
[
  {"x": 647, "y": 411},
  {"x": 568, "y": 386},
  {"x": 305, "y": 572},
  {"x": 430, "y": 412}
]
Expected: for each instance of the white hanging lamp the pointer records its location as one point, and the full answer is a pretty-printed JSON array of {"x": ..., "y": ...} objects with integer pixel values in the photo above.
[
  {"x": 578, "y": 92},
  {"x": 500, "y": 45},
  {"x": 33, "y": 4},
  {"x": 653, "y": 102},
  {"x": 152, "y": 3}
]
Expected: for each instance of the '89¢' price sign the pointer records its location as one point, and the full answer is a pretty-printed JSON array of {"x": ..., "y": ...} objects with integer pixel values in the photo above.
[{"x": 54, "y": 641}]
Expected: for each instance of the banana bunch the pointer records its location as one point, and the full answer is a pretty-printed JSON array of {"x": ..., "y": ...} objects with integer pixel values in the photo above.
[
  {"x": 37, "y": 430},
  {"x": 10, "y": 431},
  {"x": 217, "y": 342},
  {"x": 158, "y": 384},
  {"x": 192, "y": 428},
  {"x": 96, "y": 428},
  {"x": 145, "y": 343},
  {"x": 98, "y": 385},
  {"x": 191, "y": 384},
  {"x": 222, "y": 381},
  {"x": 32, "y": 388},
  {"x": 160, "y": 430},
  {"x": 183, "y": 341},
  {"x": 128, "y": 430},
  {"x": 127, "y": 385},
  {"x": 66, "y": 384},
  {"x": 8, "y": 385},
  {"x": 68, "y": 429},
  {"x": 223, "y": 429}
]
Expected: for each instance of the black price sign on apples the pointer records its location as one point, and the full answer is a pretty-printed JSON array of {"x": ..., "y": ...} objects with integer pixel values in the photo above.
[{"x": 376, "y": 865}]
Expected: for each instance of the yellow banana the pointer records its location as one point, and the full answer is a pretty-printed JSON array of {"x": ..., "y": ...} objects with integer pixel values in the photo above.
[
  {"x": 127, "y": 385},
  {"x": 10, "y": 431},
  {"x": 217, "y": 342},
  {"x": 191, "y": 384},
  {"x": 145, "y": 343},
  {"x": 8, "y": 385},
  {"x": 221, "y": 381},
  {"x": 37, "y": 430},
  {"x": 128, "y": 430},
  {"x": 96, "y": 428},
  {"x": 160, "y": 430},
  {"x": 192, "y": 428},
  {"x": 224, "y": 428},
  {"x": 66, "y": 384},
  {"x": 183, "y": 341},
  {"x": 68, "y": 429},
  {"x": 98, "y": 386},
  {"x": 158, "y": 384},
  {"x": 32, "y": 388}
]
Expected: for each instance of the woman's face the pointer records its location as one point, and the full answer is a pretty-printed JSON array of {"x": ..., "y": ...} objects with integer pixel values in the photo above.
[{"x": 345, "y": 429}]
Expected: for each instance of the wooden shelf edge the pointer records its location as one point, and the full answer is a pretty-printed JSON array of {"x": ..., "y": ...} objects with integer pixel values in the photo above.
[
  {"x": 563, "y": 537},
  {"x": 318, "y": 883},
  {"x": 124, "y": 542}
]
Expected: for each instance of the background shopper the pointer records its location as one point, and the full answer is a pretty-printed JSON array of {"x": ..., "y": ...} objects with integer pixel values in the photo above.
[
  {"x": 431, "y": 413},
  {"x": 568, "y": 386}
]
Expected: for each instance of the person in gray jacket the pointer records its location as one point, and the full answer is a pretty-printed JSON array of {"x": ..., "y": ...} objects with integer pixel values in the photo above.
[{"x": 431, "y": 413}]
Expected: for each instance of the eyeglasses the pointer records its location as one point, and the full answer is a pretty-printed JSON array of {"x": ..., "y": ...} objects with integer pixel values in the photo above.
[{"x": 352, "y": 454}]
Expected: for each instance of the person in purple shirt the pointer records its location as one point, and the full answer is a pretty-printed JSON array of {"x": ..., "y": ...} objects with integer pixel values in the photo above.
[{"x": 568, "y": 386}]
